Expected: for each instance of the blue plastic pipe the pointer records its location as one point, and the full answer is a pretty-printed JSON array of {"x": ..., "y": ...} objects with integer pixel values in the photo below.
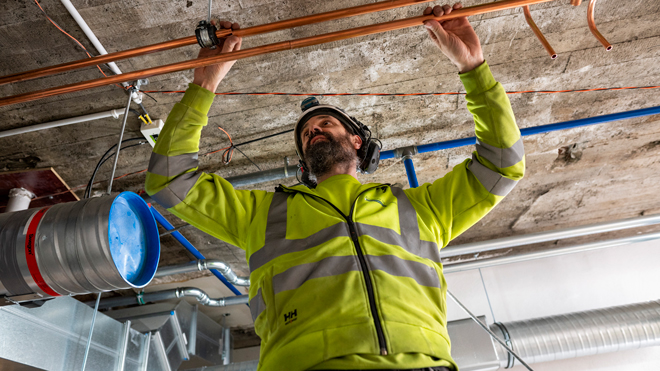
[
  {"x": 198, "y": 255},
  {"x": 410, "y": 171},
  {"x": 535, "y": 130}
]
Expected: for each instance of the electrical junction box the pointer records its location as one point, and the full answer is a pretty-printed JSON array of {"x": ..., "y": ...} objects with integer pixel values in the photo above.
[{"x": 151, "y": 131}]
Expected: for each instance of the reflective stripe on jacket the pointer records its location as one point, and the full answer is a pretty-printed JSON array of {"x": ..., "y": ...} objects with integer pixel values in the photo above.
[
  {"x": 341, "y": 290},
  {"x": 345, "y": 272}
]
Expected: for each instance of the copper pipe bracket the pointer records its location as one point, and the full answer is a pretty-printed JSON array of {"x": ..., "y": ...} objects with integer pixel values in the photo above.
[
  {"x": 538, "y": 33},
  {"x": 592, "y": 26}
]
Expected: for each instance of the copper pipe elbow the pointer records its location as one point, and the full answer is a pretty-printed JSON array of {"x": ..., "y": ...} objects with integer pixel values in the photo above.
[
  {"x": 592, "y": 26},
  {"x": 576, "y": 2},
  {"x": 538, "y": 33}
]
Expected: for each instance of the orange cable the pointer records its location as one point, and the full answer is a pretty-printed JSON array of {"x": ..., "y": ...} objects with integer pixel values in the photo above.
[
  {"x": 73, "y": 38},
  {"x": 410, "y": 94}
]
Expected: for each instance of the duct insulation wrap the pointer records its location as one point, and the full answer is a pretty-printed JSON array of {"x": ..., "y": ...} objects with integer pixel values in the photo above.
[
  {"x": 93, "y": 245},
  {"x": 581, "y": 334}
]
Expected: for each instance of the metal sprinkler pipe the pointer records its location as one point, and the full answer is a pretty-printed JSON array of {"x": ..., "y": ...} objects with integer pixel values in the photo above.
[{"x": 202, "y": 265}]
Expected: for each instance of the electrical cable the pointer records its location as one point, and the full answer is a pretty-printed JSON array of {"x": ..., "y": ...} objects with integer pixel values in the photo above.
[
  {"x": 412, "y": 94},
  {"x": 106, "y": 156},
  {"x": 73, "y": 38}
]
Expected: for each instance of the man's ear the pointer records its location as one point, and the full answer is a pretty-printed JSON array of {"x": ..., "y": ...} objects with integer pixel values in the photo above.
[{"x": 357, "y": 142}]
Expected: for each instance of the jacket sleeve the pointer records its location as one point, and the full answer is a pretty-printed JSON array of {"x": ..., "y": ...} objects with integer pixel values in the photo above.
[
  {"x": 468, "y": 192},
  {"x": 206, "y": 201}
]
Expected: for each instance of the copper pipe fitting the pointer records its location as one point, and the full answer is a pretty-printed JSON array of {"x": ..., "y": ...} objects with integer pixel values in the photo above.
[
  {"x": 576, "y": 2},
  {"x": 538, "y": 33},
  {"x": 265, "y": 49},
  {"x": 592, "y": 26},
  {"x": 191, "y": 40}
]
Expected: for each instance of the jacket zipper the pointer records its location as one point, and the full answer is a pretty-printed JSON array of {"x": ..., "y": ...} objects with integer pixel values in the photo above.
[{"x": 363, "y": 266}]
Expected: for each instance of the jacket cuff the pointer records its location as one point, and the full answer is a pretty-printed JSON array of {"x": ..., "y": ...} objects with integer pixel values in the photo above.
[
  {"x": 478, "y": 80},
  {"x": 198, "y": 98}
]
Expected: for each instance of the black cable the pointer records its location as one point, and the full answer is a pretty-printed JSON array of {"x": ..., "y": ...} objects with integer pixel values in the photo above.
[
  {"x": 264, "y": 137},
  {"x": 104, "y": 158},
  {"x": 103, "y": 162},
  {"x": 248, "y": 158},
  {"x": 229, "y": 152},
  {"x": 149, "y": 96}
]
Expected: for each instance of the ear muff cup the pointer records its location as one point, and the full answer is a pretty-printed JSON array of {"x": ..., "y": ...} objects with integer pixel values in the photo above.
[{"x": 371, "y": 158}]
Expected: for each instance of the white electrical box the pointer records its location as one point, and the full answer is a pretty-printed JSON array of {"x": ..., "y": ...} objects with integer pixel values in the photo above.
[{"x": 151, "y": 131}]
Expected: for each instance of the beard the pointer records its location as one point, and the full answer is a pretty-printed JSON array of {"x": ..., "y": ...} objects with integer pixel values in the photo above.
[{"x": 324, "y": 155}]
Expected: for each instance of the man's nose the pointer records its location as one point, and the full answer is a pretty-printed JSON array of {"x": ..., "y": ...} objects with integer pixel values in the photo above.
[{"x": 314, "y": 129}]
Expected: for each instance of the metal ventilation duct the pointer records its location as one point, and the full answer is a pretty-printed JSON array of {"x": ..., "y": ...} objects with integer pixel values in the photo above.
[
  {"x": 581, "y": 334},
  {"x": 93, "y": 245}
]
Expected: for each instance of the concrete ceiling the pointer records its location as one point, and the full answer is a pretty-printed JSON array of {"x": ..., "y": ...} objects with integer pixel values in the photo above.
[{"x": 574, "y": 177}]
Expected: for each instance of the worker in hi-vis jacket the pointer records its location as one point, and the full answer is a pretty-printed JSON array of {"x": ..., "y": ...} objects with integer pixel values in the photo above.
[{"x": 344, "y": 275}]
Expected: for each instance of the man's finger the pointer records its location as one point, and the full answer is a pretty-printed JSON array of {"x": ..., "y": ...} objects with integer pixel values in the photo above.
[
  {"x": 428, "y": 10},
  {"x": 446, "y": 8},
  {"x": 231, "y": 43},
  {"x": 235, "y": 26},
  {"x": 437, "y": 11},
  {"x": 225, "y": 24},
  {"x": 458, "y": 6}
]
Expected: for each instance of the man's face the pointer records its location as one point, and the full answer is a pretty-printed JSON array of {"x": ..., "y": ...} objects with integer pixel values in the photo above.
[{"x": 326, "y": 143}]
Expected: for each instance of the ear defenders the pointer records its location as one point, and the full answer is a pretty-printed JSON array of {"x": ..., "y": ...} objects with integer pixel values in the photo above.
[{"x": 310, "y": 108}]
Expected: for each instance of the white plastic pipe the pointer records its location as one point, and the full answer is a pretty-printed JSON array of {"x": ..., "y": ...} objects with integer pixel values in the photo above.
[
  {"x": 508, "y": 259},
  {"x": 19, "y": 199},
  {"x": 90, "y": 35},
  {"x": 115, "y": 113},
  {"x": 558, "y": 234}
]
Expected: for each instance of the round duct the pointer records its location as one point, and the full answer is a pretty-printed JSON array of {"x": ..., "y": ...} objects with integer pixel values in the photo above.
[{"x": 93, "y": 245}]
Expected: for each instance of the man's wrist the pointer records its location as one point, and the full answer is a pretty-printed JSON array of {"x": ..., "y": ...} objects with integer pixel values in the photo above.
[
  {"x": 208, "y": 85},
  {"x": 470, "y": 66},
  {"x": 478, "y": 80}
]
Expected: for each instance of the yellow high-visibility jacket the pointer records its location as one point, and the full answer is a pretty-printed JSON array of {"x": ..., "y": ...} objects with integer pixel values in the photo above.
[{"x": 346, "y": 275}]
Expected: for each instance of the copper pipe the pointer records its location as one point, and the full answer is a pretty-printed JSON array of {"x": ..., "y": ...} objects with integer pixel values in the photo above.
[
  {"x": 576, "y": 2},
  {"x": 538, "y": 33},
  {"x": 270, "y": 48},
  {"x": 192, "y": 40},
  {"x": 592, "y": 26}
]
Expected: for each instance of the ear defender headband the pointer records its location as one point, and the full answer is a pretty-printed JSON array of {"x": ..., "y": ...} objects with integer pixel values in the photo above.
[{"x": 311, "y": 107}]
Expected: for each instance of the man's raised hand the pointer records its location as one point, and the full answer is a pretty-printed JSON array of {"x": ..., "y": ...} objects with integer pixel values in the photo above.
[
  {"x": 210, "y": 76},
  {"x": 455, "y": 38}
]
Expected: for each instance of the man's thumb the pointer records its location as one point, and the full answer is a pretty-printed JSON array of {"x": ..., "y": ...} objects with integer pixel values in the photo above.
[{"x": 436, "y": 29}]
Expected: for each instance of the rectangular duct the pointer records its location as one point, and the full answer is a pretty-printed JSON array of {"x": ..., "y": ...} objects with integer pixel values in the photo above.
[
  {"x": 54, "y": 337},
  {"x": 189, "y": 338}
]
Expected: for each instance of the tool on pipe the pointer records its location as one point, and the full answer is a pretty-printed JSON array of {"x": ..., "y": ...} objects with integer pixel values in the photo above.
[
  {"x": 592, "y": 26},
  {"x": 191, "y": 40},
  {"x": 270, "y": 48},
  {"x": 538, "y": 33}
]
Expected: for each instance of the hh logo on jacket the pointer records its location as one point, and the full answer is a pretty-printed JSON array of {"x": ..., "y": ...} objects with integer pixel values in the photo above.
[{"x": 291, "y": 316}]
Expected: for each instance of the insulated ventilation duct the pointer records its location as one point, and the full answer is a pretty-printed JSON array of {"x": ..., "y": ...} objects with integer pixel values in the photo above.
[
  {"x": 580, "y": 334},
  {"x": 93, "y": 245}
]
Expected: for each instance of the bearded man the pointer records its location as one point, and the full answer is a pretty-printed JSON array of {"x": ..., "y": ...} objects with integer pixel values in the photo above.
[{"x": 344, "y": 275}]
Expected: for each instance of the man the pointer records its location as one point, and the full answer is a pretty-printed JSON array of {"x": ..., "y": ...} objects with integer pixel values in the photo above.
[{"x": 345, "y": 276}]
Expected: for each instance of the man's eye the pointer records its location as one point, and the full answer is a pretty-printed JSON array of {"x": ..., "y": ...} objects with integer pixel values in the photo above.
[{"x": 326, "y": 123}]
